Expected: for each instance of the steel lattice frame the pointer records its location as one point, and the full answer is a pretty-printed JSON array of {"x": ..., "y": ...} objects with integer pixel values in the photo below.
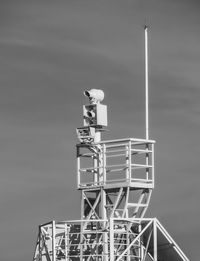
[{"x": 116, "y": 179}]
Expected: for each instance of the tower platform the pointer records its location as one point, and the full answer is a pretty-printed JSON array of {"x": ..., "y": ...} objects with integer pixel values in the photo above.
[
  {"x": 116, "y": 163},
  {"x": 116, "y": 179},
  {"x": 111, "y": 240}
]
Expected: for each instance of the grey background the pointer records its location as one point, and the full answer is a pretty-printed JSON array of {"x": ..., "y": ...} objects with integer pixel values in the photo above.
[{"x": 50, "y": 51}]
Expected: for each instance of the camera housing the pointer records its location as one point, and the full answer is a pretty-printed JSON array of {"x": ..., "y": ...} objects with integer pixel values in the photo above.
[
  {"x": 95, "y": 95},
  {"x": 95, "y": 115}
]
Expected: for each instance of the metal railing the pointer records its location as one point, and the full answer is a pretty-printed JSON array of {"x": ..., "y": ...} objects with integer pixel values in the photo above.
[
  {"x": 72, "y": 241},
  {"x": 125, "y": 161},
  {"x": 103, "y": 240}
]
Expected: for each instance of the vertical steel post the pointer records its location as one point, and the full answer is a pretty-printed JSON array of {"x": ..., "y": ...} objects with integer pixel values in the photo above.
[
  {"x": 53, "y": 241},
  {"x": 127, "y": 163},
  {"x": 155, "y": 243},
  {"x": 78, "y": 167},
  {"x": 152, "y": 163},
  {"x": 96, "y": 170},
  {"x": 104, "y": 217},
  {"x": 111, "y": 240},
  {"x": 104, "y": 164},
  {"x": 147, "y": 162},
  {"x": 66, "y": 243},
  {"x": 130, "y": 161},
  {"x": 81, "y": 241},
  {"x": 82, "y": 204},
  {"x": 40, "y": 249},
  {"x": 140, "y": 250},
  {"x": 127, "y": 244},
  {"x": 146, "y": 82}
]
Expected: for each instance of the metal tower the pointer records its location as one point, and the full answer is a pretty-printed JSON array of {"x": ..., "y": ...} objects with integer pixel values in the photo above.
[{"x": 116, "y": 179}]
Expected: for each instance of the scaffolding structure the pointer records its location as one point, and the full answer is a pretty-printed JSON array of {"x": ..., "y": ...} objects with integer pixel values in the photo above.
[{"x": 116, "y": 179}]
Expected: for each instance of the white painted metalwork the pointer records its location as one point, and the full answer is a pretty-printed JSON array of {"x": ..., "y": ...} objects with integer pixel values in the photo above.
[
  {"x": 146, "y": 82},
  {"x": 114, "y": 239},
  {"x": 110, "y": 164},
  {"x": 116, "y": 179}
]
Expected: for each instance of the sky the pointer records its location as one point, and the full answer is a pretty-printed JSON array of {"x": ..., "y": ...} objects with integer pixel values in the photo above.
[{"x": 50, "y": 52}]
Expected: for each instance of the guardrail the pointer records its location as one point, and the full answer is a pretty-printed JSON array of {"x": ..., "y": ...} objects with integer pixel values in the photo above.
[
  {"x": 123, "y": 162},
  {"x": 106, "y": 240}
]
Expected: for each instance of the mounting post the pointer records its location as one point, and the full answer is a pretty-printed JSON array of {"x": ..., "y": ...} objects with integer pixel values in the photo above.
[{"x": 146, "y": 82}]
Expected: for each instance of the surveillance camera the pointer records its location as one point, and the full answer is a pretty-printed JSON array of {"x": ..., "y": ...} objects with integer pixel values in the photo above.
[{"x": 94, "y": 95}]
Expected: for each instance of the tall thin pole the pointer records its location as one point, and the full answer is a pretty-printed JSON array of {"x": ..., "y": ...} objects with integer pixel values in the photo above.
[{"x": 146, "y": 83}]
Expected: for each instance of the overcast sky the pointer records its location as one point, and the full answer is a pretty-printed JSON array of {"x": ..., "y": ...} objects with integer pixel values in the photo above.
[{"x": 50, "y": 51}]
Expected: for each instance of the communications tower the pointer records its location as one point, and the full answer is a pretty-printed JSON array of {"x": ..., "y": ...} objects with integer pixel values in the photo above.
[{"x": 116, "y": 179}]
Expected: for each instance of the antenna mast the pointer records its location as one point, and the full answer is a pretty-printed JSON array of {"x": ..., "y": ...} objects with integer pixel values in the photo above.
[{"x": 146, "y": 83}]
